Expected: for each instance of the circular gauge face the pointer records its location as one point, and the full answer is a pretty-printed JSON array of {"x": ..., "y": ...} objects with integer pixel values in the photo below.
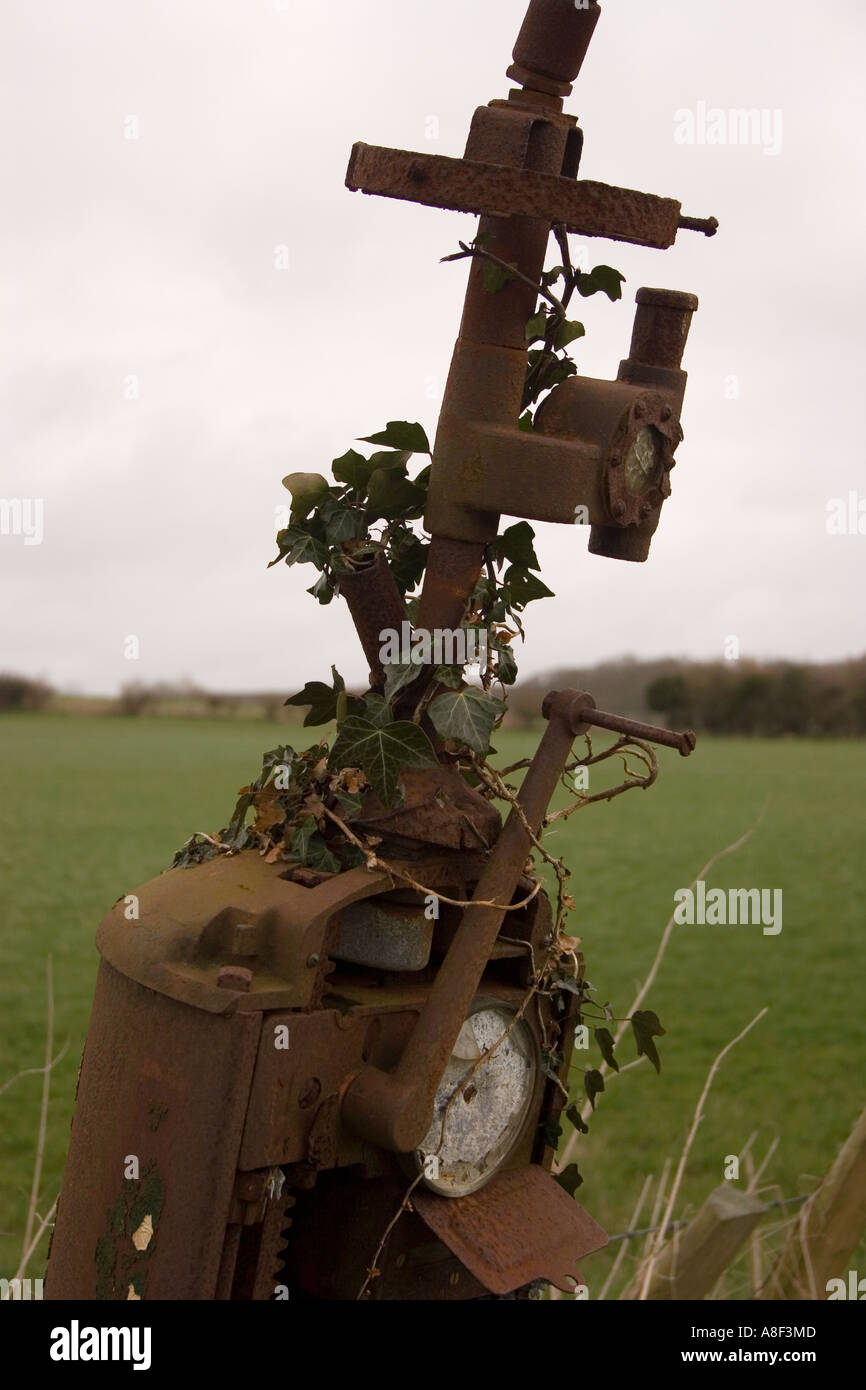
[
  {"x": 481, "y": 1105},
  {"x": 642, "y": 461}
]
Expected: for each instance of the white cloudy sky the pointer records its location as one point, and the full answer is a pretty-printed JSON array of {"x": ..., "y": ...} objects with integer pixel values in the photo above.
[{"x": 154, "y": 258}]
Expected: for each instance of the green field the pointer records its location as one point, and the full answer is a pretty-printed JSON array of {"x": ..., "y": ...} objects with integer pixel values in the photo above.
[{"x": 93, "y": 807}]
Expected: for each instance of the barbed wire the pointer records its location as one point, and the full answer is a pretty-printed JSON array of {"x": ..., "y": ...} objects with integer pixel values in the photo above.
[{"x": 678, "y": 1225}]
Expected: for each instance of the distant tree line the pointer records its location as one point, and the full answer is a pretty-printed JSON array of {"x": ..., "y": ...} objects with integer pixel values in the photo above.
[
  {"x": 766, "y": 698},
  {"x": 22, "y": 693}
]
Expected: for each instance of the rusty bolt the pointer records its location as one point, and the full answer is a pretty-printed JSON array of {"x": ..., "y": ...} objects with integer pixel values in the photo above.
[
  {"x": 619, "y": 509},
  {"x": 234, "y": 977},
  {"x": 667, "y": 412},
  {"x": 312, "y": 961},
  {"x": 309, "y": 1092}
]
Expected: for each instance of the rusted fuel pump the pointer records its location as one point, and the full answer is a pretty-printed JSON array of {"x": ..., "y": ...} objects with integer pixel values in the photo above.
[{"x": 272, "y": 1058}]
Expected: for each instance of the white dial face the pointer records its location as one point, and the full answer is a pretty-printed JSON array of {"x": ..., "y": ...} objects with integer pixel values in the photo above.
[
  {"x": 481, "y": 1105},
  {"x": 641, "y": 461}
]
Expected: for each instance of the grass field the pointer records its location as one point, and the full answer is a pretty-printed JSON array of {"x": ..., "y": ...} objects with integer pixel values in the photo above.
[{"x": 93, "y": 807}]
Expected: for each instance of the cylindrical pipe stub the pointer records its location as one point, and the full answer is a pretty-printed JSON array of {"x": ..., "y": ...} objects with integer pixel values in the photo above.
[
  {"x": 567, "y": 705},
  {"x": 552, "y": 43},
  {"x": 376, "y": 606},
  {"x": 661, "y": 327},
  {"x": 630, "y": 543}
]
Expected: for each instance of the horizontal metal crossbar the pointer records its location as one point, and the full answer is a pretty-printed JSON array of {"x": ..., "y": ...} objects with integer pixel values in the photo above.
[{"x": 466, "y": 185}]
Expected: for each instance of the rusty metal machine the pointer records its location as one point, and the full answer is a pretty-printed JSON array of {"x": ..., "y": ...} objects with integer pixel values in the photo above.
[{"x": 272, "y": 1059}]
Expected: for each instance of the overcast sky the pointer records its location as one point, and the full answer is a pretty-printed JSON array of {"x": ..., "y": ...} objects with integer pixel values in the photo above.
[{"x": 148, "y": 264}]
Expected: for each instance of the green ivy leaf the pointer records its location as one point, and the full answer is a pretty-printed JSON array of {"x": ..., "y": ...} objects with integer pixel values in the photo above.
[
  {"x": 355, "y": 470},
  {"x": 574, "y": 1115},
  {"x": 283, "y": 756},
  {"x": 400, "y": 674},
  {"x": 601, "y": 277},
  {"x": 524, "y": 587},
  {"x": 467, "y": 716},
  {"x": 391, "y": 495},
  {"x": 307, "y": 489},
  {"x": 381, "y": 753},
  {"x": 195, "y": 851},
  {"x": 645, "y": 1026},
  {"x": 341, "y": 523},
  {"x": 506, "y": 664},
  {"x": 400, "y": 434},
  {"x": 310, "y": 848},
  {"x": 570, "y": 1179},
  {"x": 323, "y": 589},
  {"x": 322, "y": 700},
  {"x": 452, "y": 676},
  {"x": 352, "y": 803},
  {"x": 389, "y": 458},
  {"x": 376, "y": 709},
  {"x": 515, "y": 545},
  {"x": 604, "y": 1038},
  {"x": 551, "y": 1064},
  {"x": 298, "y": 547},
  {"x": 567, "y": 332},
  {"x": 536, "y": 327},
  {"x": 352, "y": 469},
  {"x": 553, "y": 370},
  {"x": 496, "y": 277},
  {"x": 236, "y": 833},
  {"x": 407, "y": 556},
  {"x": 550, "y": 277},
  {"x": 593, "y": 1084}
]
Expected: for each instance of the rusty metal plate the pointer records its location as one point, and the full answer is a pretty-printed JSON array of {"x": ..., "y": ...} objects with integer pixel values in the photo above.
[
  {"x": 466, "y": 185},
  {"x": 521, "y": 1226},
  {"x": 167, "y": 1086},
  {"x": 188, "y": 930}
]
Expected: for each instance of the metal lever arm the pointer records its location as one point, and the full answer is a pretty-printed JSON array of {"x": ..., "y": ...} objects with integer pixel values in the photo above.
[
  {"x": 684, "y": 742},
  {"x": 393, "y": 1109}
]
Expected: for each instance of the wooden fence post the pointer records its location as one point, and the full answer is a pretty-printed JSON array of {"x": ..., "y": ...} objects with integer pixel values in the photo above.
[
  {"x": 825, "y": 1236},
  {"x": 689, "y": 1267}
]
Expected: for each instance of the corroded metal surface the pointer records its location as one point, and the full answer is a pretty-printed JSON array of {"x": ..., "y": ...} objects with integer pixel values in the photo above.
[
  {"x": 520, "y": 1227},
  {"x": 190, "y": 924},
  {"x": 375, "y": 604},
  {"x": 553, "y": 42},
  {"x": 393, "y": 1109},
  {"x": 684, "y": 742},
  {"x": 584, "y": 206},
  {"x": 159, "y": 1114},
  {"x": 438, "y": 809}
]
